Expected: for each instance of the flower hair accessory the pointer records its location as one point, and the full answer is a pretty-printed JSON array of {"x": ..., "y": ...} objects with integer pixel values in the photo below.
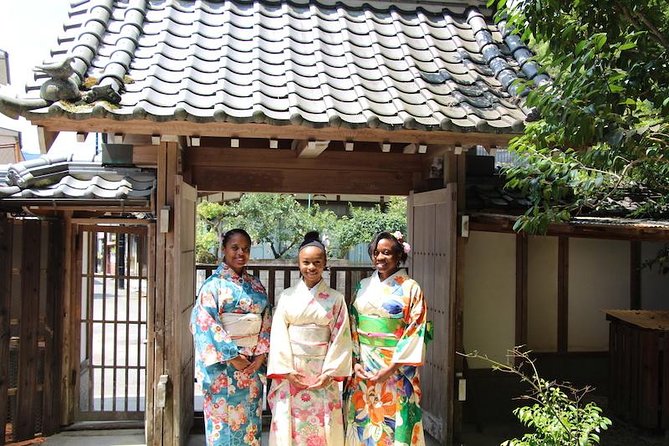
[{"x": 400, "y": 238}]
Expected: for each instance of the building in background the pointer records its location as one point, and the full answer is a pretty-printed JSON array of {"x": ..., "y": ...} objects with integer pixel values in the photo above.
[{"x": 10, "y": 140}]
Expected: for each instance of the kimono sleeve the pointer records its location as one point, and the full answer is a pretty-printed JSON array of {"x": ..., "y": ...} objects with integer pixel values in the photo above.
[
  {"x": 264, "y": 335},
  {"x": 280, "y": 361},
  {"x": 410, "y": 349},
  {"x": 337, "y": 363},
  {"x": 353, "y": 319},
  {"x": 212, "y": 343}
]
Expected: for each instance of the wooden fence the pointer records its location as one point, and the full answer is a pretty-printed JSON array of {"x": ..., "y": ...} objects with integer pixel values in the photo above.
[
  {"x": 31, "y": 281},
  {"x": 276, "y": 278}
]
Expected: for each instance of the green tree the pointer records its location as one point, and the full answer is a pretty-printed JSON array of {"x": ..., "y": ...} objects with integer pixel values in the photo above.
[
  {"x": 281, "y": 221},
  {"x": 603, "y": 120},
  {"x": 361, "y": 224},
  {"x": 276, "y": 219}
]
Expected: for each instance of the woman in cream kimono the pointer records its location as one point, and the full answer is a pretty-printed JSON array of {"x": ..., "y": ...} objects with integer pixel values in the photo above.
[
  {"x": 389, "y": 327},
  {"x": 230, "y": 323},
  {"x": 310, "y": 353}
]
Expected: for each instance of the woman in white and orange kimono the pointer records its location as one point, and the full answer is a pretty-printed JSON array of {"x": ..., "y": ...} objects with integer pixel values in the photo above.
[
  {"x": 310, "y": 353},
  {"x": 389, "y": 328}
]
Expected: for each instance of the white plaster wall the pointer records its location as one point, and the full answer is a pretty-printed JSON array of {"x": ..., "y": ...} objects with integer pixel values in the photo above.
[
  {"x": 489, "y": 295},
  {"x": 598, "y": 280},
  {"x": 654, "y": 285},
  {"x": 542, "y": 267}
]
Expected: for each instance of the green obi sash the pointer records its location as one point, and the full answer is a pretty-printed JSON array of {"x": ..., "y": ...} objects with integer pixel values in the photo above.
[{"x": 379, "y": 331}]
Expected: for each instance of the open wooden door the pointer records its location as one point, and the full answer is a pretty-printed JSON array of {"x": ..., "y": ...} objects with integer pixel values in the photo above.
[
  {"x": 183, "y": 283},
  {"x": 432, "y": 232}
]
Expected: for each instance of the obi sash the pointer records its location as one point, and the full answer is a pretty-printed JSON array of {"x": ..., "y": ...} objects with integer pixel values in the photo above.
[
  {"x": 379, "y": 331},
  {"x": 309, "y": 340},
  {"x": 243, "y": 328}
]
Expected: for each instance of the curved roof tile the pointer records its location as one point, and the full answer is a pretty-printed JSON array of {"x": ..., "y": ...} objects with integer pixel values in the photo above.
[{"x": 310, "y": 62}]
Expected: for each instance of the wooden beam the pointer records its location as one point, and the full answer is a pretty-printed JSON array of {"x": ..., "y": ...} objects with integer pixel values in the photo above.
[
  {"x": 349, "y": 146},
  {"x": 385, "y": 147},
  {"x": 273, "y": 144},
  {"x": 143, "y": 155},
  {"x": 45, "y": 139},
  {"x": 309, "y": 149},
  {"x": 521, "y": 290},
  {"x": 252, "y": 130},
  {"x": 637, "y": 231},
  {"x": 635, "y": 275},
  {"x": 322, "y": 181},
  {"x": 286, "y": 160},
  {"x": 81, "y": 136}
]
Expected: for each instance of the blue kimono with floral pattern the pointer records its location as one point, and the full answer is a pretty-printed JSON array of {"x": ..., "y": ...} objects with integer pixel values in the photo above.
[{"x": 232, "y": 398}]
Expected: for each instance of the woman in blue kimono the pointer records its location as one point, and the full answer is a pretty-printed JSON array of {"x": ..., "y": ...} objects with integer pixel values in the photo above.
[{"x": 230, "y": 323}]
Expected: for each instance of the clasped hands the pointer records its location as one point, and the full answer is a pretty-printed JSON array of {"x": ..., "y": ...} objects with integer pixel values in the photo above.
[
  {"x": 380, "y": 376},
  {"x": 246, "y": 365},
  {"x": 300, "y": 381}
]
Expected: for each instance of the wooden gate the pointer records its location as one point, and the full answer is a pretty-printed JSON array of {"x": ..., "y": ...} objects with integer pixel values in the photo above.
[
  {"x": 184, "y": 297},
  {"x": 113, "y": 285},
  {"x": 431, "y": 221}
]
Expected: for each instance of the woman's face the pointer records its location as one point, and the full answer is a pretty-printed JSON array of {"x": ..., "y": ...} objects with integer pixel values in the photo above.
[
  {"x": 385, "y": 259},
  {"x": 312, "y": 263},
  {"x": 236, "y": 252}
]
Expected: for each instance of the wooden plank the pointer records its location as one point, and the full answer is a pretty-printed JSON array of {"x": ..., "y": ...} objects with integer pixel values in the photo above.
[
  {"x": 29, "y": 326},
  {"x": 563, "y": 295},
  {"x": 70, "y": 325},
  {"x": 286, "y": 159},
  {"x": 594, "y": 229},
  {"x": 253, "y": 130},
  {"x": 664, "y": 422},
  {"x": 171, "y": 273},
  {"x": 145, "y": 155},
  {"x": 6, "y": 239},
  {"x": 53, "y": 327},
  {"x": 152, "y": 275},
  {"x": 649, "y": 380},
  {"x": 256, "y": 179},
  {"x": 156, "y": 320}
]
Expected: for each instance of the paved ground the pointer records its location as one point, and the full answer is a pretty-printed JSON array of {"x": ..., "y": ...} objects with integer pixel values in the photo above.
[
  {"x": 125, "y": 437},
  {"x": 490, "y": 436}
]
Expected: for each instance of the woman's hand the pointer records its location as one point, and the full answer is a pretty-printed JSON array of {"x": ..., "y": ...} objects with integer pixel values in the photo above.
[
  {"x": 383, "y": 374},
  {"x": 239, "y": 362},
  {"x": 320, "y": 382},
  {"x": 255, "y": 364},
  {"x": 359, "y": 371},
  {"x": 297, "y": 379}
]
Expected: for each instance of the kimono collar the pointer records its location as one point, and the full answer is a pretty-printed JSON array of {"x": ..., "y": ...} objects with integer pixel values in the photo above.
[
  {"x": 313, "y": 290},
  {"x": 387, "y": 280},
  {"x": 229, "y": 274}
]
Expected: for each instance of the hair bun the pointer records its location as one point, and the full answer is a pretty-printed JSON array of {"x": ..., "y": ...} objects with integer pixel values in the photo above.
[{"x": 312, "y": 236}]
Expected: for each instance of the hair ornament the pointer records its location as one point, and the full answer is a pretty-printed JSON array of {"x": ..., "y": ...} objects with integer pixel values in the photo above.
[{"x": 400, "y": 238}]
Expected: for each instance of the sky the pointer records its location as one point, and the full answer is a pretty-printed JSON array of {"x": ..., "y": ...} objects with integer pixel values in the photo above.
[{"x": 28, "y": 31}]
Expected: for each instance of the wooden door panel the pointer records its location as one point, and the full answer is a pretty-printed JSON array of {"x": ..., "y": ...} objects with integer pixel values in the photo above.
[{"x": 432, "y": 217}]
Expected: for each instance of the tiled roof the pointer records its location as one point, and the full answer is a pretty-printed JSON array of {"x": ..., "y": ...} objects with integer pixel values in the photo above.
[
  {"x": 58, "y": 178},
  {"x": 381, "y": 65}
]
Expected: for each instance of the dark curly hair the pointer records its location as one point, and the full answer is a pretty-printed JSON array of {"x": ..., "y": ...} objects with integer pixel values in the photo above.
[
  {"x": 231, "y": 232},
  {"x": 397, "y": 246}
]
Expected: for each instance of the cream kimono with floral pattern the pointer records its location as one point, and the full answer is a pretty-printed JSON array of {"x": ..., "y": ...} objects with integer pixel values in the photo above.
[{"x": 310, "y": 335}]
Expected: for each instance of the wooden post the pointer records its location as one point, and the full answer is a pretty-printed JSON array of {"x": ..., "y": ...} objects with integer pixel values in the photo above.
[
  {"x": 28, "y": 332},
  {"x": 521, "y": 290},
  {"x": 563, "y": 295},
  {"x": 5, "y": 301}
]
